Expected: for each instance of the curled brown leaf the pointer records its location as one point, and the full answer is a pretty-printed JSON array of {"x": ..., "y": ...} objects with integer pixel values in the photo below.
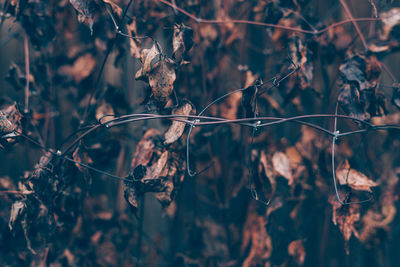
[
  {"x": 355, "y": 179},
  {"x": 176, "y": 129}
]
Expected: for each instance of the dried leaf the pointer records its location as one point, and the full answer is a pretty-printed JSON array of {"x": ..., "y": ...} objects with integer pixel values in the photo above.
[
  {"x": 358, "y": 81},
  {"x": 154, "y": 169},
  {"x": 345, "y": 216},
  {"x": 281, "y": 165},
  {"x": 144, "y": 149},
  {"x": 81, "y": 156},
  {"x": 176, "y": 129},
  {"x": 134, "y": 44},
  {"x": 86, "y": 9},
  {"x": 384, "y": 211},
  {"x": 301, "y": 57},
  {"x": 229, "y": 108},
  {"x": 6, "y": 126},
  {"x": 159, "y": 71},
  {"x": 255, "y": 235},
  {"x": 158, "y": 169},
  {"x": 268, "y": 170},
  {"x": 116, "y": 9},
  {"x": 81, "y": 68},
  {"x": 296, "y": 250},
  {"x": 356, "y": 180},
  {"x": 214, "y": 238},
  {"x": 162, "y": 78},
  {"x": 17, "y": 78},
  {"x": 104, "y": 109},
  {"x": 17, "y": 211},
  {"x": 389, "y": 19},
  {"x": 182, "y": 41},
  {"x": 10, "y": 125},
  {"x": 148, "y": 58}
]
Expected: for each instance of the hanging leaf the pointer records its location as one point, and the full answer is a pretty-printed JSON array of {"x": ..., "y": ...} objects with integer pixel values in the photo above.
[
  {"x": 389, "y": 19},
  {"x": 358, "y": 95},
  {"x": 81, "y": 156},
  {"x": 159, "y": 71},
  {"x": 81, "y": 69},
  {"x": 356, "y": 180},
  {"x": 134, "y": 44},
  {"x": 255, "y": 235},
  {"x": 182, "y": 42},
  {"x": 302, "y": 58},
  {"x": 296, "y": 250},
  {"x": 176, "y": 129},
  {"x": 383, "y": 212},
  {"x": 281, "y": 165},
  {"x": 10, "y": 125},
  {"x": 345, "y": 216},
  {"x": 6, "y": 126},
  {"x": 17, "y": 211},
  {"x": 102, "y": 110},
  {"x": 115, "y": 8},
  {"x": 86, "y": 9},
  {"x": 154, "y": 169}
]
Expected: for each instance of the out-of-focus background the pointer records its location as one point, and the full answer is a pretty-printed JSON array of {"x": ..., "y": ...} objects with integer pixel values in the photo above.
[{"x": 268, "y": 199}]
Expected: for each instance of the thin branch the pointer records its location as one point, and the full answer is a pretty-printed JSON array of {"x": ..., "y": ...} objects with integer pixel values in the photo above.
[
  {"x": 288, "y": 28},
  {"x": 27, "y": 73},
  {"x": 99, "y": 75},
  {"x": 362, "y": 38}
]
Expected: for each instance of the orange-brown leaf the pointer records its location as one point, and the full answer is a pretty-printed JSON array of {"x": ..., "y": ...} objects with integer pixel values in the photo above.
[{"x": 356, "y": 180}]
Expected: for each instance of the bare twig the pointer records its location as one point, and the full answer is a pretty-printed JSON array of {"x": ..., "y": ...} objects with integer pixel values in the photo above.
[
  {"x": 282, "y": 27},
  {"x": 362, "y": 38},
  {"x": 27, "y": 73}
]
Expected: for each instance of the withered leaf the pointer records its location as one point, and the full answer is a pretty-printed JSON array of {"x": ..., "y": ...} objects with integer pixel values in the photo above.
[
  {"x": 214, "y": 238},
  {"x": 281, "y": 165},
  {"x": 356, "y": 180},
  {"x": 6, "y": 126},
  {"x": 162, "y": 78},
  {"x": 104, "y": 109},
  {"x": 17, "y": 78},
  {"x": 165, "y": 196},
  {"x": 268, "y": 170},
  {"x": 86, "y": 9},
  {"x": 296, "y": 249},
  {"x": 182, "y": 41},
  {"x": 148, "y": 57},
  {"x": 134, "y": 44},
  {"x": 249, "y": 101},
  {"x": 158, "y": 169},
  {"x": 153, "y": 170},
  {"x": 229, "y": 108},
  {"x": 301, "y": 57},
  {"x": 17, "y": 210},
  {"x": 10, "y": 125},
  {"x": 389, "y": 19},
  {"x": 176, "y": 129},
  {"x": 82, "y": 68},
  {"x": 345, "y": 216},
  {"x": 116, "y": 9},
  {"x": 255, "y": 235},
  {"x": 144, "y": 149},
  {"x": 159, "y": 70},
  {"x": 358, "y": 95},
  {"x": 384, "y": 211},
  {"x": 81, "y": 156}
]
